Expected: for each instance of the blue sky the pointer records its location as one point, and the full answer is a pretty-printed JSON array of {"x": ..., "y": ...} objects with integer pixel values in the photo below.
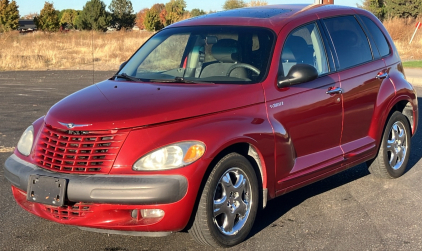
[{"x": 31, "y": 6}]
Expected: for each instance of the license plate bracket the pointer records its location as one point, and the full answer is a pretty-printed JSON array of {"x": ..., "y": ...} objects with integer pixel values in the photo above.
[{"x": 46, "y": 190}]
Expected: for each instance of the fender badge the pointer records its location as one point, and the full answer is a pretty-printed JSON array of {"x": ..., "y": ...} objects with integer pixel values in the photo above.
[
  {"x": 71, "y": 125},
  {"x": 276, "y": 104}
]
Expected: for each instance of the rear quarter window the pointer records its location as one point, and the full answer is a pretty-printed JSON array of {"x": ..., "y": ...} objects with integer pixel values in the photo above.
[
  {"x": 378, "y": 36},
  {"x": 350, "y": 42}
]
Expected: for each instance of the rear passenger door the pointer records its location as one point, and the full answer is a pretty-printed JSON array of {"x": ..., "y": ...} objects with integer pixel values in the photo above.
[{"x": 361, "y": 74}]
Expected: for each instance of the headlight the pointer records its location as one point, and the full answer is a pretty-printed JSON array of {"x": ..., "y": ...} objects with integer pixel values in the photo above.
[
  {"x": 171, "y": 156},
  {"x": 26, "y": 140}
]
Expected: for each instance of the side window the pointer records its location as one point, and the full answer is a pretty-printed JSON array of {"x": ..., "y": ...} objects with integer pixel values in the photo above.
[
  {"x": 350, "y": 42},
  {"x": 304, "y": 46},
  {"x": 378, "y": 36}
]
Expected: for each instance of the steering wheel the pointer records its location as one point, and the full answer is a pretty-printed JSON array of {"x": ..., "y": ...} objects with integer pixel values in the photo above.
[{"x": 242, "y": 65}]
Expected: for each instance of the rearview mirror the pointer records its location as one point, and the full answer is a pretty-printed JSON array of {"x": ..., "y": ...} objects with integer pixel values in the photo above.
[
  {"x": 299, "y": 73},
  {"x": 211, "y": 40}
]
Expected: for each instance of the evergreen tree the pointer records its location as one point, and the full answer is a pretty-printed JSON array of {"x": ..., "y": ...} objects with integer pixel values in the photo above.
[
  {"x": 234, "y": 4},
  {"x": 393, "y": 8},
  {"x": 9, "y": 15},
  {"x": 122, "y": 14},
  {"x": 374, "y": 6},
  {"x": 48, "y": 19},
  {"x": 93, "y": 16},
  {"x": 402, "y": 8},
  {"x": 152, "y": 20},
  {"x": 77, "y": 20},
  {"x": 197, "y": 12}
]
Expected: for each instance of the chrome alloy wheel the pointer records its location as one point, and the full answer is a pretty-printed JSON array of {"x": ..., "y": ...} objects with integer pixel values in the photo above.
[
  {"x": 232, "y": 201},
  {"x": 397, "y": 145}
]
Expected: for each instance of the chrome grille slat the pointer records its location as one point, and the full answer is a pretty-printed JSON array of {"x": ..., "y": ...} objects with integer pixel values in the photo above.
[{"x": 86, "y": 152}]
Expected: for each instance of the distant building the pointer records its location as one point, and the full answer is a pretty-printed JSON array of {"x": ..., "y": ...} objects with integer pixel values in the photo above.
[{"x": 27, "y": 25}]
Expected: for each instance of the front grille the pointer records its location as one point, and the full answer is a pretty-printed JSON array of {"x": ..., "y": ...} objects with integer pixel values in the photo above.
[
  {"x": 78, "y": 151},
  {"x": 78, "y": 210}
]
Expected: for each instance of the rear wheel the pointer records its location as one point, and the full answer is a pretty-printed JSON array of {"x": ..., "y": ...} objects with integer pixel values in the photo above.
[
  {"x": 394, "y": 151},
  {"x": 228, "y": 204}
]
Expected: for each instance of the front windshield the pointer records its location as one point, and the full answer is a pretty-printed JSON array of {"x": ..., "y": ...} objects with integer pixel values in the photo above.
[{"x": 215, "y": 54}]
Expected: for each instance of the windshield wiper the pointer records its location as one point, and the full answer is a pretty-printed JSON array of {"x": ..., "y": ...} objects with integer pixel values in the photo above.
[
  {"x": 179, "y": 80},
  {"x": 125, "y": 76}
]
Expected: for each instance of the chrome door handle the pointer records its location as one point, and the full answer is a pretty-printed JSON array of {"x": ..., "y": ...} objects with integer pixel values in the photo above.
[
  {"x": 336, "y": 90},
  {"x": 382, "y": 75}
]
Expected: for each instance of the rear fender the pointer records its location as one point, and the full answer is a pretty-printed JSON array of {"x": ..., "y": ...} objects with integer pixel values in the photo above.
[{"x": 394, "y": 90}]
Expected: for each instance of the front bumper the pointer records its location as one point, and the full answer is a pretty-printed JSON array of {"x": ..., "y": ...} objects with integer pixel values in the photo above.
[
  {"x": 113, "y": 189},
  {"x": 112, "y": 202}
]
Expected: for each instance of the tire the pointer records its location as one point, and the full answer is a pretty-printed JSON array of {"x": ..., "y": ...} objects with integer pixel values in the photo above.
[
  {"x": 394, "y": 150},
  {"x": 228, "y": 204}
]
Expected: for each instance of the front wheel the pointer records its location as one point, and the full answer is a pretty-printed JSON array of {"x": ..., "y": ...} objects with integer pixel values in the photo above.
[
  {"x": 228, "y": 204},
  {"x": 394, "y": 150}
]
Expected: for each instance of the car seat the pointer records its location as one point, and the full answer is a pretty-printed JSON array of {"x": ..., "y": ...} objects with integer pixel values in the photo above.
[{"x": 226, "y": 52}]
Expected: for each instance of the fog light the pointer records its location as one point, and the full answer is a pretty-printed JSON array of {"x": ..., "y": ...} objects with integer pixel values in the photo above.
[{"x": 152, "y": 213}]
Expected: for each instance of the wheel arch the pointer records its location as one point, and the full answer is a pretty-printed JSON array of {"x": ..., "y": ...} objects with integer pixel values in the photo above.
[
  {"x": 253, "y": 155},
  {"x": 406, "y": 108},
  {"x": 403, "y": 106},
  {"x": 394, "y": 94}
]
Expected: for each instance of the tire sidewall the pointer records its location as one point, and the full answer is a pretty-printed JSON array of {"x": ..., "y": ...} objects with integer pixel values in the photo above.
[
  {"x": 231, "y": 160},
  {"x": 396, "y": 116}
]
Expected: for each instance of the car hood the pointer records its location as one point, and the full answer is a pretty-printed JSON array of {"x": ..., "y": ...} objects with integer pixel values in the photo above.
[{"x": 120, "y": 104}]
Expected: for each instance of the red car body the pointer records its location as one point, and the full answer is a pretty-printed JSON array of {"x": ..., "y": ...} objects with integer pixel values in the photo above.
[{"x": 296, "y": 135}]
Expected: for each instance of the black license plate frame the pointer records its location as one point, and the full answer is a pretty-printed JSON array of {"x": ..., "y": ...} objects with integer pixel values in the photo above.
[{"x": 46, "y": 190}]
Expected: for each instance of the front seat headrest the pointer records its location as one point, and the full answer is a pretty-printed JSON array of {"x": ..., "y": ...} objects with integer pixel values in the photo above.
[{"x": 226, "y": 51}]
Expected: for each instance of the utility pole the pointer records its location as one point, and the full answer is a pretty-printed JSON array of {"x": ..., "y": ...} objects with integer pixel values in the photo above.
[{"x": 324, "y": 1}]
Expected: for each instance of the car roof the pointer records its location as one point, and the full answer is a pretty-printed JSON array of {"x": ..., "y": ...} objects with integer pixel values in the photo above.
[{"x": 269, "y": 16}]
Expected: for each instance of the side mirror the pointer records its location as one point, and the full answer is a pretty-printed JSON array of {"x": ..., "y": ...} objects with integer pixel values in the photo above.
[
  {"x": 122, "y": 65},
  {"x": 299, "y": 73}
]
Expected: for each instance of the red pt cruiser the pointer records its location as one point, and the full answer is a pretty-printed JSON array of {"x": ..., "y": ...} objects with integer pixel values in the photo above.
[{"x": 214, "y": 116}]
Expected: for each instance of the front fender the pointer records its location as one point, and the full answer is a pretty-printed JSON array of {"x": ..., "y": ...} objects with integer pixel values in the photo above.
[{"x": 217, "y": 131}]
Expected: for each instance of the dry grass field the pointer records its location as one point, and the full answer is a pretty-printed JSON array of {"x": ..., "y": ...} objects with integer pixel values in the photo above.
[
  {"x": 401, "y": 30},
  {"x": 72, "y": 50},
  {"x": 78, "y": 49}
]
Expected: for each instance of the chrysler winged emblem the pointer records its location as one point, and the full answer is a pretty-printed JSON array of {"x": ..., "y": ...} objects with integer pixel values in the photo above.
[{"x": 71, "y": 125}]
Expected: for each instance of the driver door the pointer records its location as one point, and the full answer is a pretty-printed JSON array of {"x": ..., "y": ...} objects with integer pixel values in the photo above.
[{"x": 311, "y": 118}]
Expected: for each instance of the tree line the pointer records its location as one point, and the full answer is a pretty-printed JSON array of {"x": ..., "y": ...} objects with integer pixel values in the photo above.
[
  {"x": 95, "y": 16},
  {"x": 120, "y": 14},
  {"x": 387, "y": 9}
]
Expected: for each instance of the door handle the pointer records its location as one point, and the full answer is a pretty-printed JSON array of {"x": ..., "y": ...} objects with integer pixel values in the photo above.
[
  {"x": 336, "y": 90},
  {"x": 382, "y": 75}
]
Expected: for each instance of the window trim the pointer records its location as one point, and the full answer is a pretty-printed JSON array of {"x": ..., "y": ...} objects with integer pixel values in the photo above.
[
  {"x": 359, "y": 17},
  {"x": 322, "y": 36},
  {"x": 337, "y": 61},
  {"x": 328, "y": 44}
]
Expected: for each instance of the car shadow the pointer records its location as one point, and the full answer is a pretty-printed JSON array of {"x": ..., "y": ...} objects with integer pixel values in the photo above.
[{"x": 283, "y": 204}]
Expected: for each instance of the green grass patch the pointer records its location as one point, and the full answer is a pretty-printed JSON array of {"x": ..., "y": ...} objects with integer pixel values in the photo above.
[{"x": 413, "y": 64}]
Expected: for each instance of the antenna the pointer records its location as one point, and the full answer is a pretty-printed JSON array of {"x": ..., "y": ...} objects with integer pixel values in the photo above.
[{"x": 93, "y": 59}]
